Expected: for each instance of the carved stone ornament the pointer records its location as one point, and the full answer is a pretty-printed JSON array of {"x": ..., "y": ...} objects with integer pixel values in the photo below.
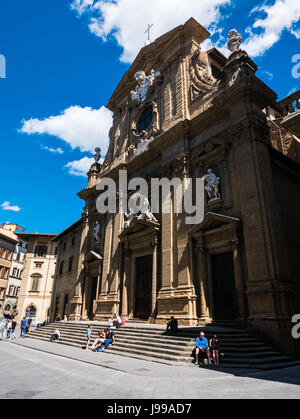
[
  {"x": 153, "y": 128},
  {"x": 144, "y": 82},
  {"x": 144, "y": 214},
  {"x": 97, "y": 155},
  {"x": 201, "y": 80},
  {"x": 97, "y": 232},
  {"x": 212, "y": 185},
  {"x": 234, "y": 40},
  {"x": 143, "y": 146}
]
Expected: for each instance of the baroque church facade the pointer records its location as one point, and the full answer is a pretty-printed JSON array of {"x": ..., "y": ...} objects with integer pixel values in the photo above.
[{"x": 180, "y": 112}]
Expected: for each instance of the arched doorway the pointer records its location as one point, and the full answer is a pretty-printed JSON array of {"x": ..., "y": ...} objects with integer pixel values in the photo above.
[{"x": 31, "y": 312}]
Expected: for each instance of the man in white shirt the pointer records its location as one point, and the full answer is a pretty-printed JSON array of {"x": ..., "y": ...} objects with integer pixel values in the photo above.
[{"x": 55, "y": 336}]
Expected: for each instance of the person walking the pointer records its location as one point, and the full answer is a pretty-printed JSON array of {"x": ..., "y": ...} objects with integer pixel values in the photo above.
[
  {"x": 23, "y": 327},
  {"x": 29, "y": 321},
  {"x": 13, "y": 329},
  {"x": 2, "y": 328},
  {"x": 8, "y": 328},
  {"x": 89, "y": 332}
]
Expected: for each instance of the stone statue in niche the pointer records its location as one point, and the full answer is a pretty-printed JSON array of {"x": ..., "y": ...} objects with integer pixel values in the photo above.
[
  {"x": 212, "y": 185},
  {"x": 201, "y": 80},
  {"x": 144, "y": 82},
  {"x": 97, "y": 232}
]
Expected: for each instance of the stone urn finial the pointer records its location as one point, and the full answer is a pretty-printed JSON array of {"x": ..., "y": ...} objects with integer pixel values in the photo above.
[
  {"x": 97, "y": 155},
  {"x": 234, "y": 40}
]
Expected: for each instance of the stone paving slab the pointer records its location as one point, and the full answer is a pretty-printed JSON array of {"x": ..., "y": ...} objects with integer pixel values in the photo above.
[
  {"x": 33, "y": 373},
  {"x": 116, "y": 362}
]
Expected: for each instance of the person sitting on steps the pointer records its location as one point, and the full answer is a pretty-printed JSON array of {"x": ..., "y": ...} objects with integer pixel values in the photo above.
[
  {"x": 172, "y": 326},
  {"x": 55, "y": 335},
  {"x": 99, "y": 340},
  {"x": 202, "y": 347},
  {"x": 109, "y": 340}
]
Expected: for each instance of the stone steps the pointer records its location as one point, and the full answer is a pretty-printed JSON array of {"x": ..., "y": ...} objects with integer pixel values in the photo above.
[
  {"x": 144, "y": 342},
  {"x": 184, "y": 346}
]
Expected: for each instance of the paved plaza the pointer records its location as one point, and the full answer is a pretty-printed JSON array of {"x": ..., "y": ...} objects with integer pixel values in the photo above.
[{"x": 35, "y": 369}]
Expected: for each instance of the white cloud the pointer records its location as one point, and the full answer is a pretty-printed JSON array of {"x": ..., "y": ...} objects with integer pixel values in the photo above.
[
  {"x": 282, "y": 15},
  {"x": 80, "y": 167},
  {"x": 54, "y": 150},
  {"x": 126, "y": 20},
  {"x": 7, "y": 207},
  {"x": 83, "y": 128},
  {"x": 81, "y": 5}
]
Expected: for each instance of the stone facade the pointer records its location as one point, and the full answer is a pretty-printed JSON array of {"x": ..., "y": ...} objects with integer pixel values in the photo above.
[
  {"x": 8, "y": 241},
  {"x": 16, "y": 273},
  {"x": 66, "y": 299},
  {"x": 178, "y": 112},
  {"x": 38, "y": 277}
]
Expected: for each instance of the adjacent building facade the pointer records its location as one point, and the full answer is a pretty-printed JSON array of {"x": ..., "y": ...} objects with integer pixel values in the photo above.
[
  {"x": 68, "y": 273},
  {"x": 38, "y": 277},
  {"x": 16, "y": 272},
  {"x": 8, "y": 241},
  {"x": 180, "y": 112}
]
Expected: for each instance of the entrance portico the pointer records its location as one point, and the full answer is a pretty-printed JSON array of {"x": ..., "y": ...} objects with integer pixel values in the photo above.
[
  {"x": 218, "y": 269},
  {"x": 92, "y": 274},
  {"x": 139, "y": 284}
]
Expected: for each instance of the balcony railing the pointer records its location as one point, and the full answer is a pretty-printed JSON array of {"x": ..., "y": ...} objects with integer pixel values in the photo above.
[{"x": 291, "y": 103}]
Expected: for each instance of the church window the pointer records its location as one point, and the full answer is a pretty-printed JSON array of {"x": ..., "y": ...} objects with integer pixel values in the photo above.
[{"x": 145, "y": 119}]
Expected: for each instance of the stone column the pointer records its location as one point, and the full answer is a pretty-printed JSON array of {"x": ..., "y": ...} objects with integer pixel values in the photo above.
[
  {"x": 126, "y": 281},
  {"x": 85, "y": 295},
  {"x": 203, "y": 281},
  {"x": 154, "y": 279},
  {"x": 238, "y": 276}
]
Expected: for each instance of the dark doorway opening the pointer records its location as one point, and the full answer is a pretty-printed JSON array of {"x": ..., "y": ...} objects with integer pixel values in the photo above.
[
  {"x": 223, "y": 287},
  {"x": 143, "y": 287},
  {"x": 66, "y": 302},
  {"x": 93, "y": 296}
]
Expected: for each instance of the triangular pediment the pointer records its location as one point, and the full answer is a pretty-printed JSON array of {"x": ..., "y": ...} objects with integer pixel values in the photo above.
[
  {"x": 92, "y": 257},
  {"x": 153, "y": 55},
  {"x": 137, "y": 225},
  {"x": 213, "y": 220}
]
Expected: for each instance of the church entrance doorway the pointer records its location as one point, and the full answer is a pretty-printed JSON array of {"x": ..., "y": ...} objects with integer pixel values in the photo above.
[
  {"x": 93, "y": 296},
  {"x": 143, "y": 287},
  {"x": 222, "y": 268}
]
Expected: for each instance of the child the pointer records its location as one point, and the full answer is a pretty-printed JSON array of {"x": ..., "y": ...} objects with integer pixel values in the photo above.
[
  {"x": 8, "y": 329},
  {"x": 215, "y": 347},
  {"x": 89, "y": 332}
]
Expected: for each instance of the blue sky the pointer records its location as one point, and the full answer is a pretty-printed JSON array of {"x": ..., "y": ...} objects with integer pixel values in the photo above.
[{"x": 63, "y": 62}]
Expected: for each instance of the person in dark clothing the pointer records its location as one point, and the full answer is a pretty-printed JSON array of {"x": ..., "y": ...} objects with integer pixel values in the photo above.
[
  {"x": 172, "y": 326},
  {"x": 215, "y": 348},
  {"x": 13, "y": 329},
  {"x": 23, "y": 327},
  {"x": 110, "y": 339}
]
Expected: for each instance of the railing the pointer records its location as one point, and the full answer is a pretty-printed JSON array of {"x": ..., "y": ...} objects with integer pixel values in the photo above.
[{"x": 291, "y": 103}]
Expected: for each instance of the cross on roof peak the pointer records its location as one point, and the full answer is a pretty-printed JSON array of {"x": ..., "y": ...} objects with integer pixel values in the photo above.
[{"x": 148, "y": 32}]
